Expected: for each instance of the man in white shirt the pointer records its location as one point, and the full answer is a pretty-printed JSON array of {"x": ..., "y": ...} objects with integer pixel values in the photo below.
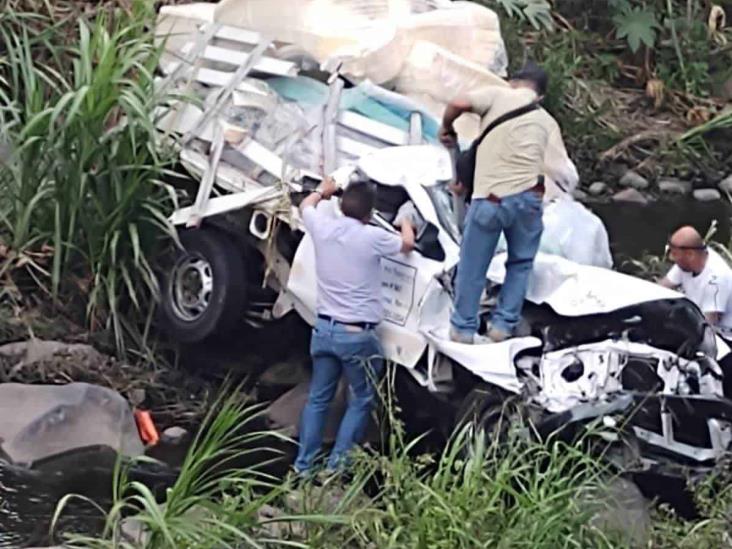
[
  {"x": 702, "y": 275},
  {"x": 348, "y": 254}
]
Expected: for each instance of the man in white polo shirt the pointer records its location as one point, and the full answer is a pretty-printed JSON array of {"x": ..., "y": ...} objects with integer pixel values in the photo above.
[{"x": 703, "y": 276}]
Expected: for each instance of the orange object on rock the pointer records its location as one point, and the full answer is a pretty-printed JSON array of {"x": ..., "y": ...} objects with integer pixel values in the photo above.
[{"x": 146, "y": 427}]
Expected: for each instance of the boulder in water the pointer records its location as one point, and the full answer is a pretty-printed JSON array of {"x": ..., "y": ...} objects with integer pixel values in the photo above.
[{"x": 37, "y": 421}]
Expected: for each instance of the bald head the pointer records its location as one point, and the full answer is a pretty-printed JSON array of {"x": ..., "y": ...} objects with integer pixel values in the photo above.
[
  {"x": 687, "y": 237},
  {"x": 688, "y": 250}
]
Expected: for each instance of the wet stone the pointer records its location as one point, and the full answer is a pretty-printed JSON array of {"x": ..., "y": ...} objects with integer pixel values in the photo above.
[
  {"x": 598, "y": 188},
  {"x": 674, "y": 186},
  {"x": 174, "y": 435},
  {"x": 707, "y": 195},
  {"x": 579, "y": 194},
  {"x": 37, "y": 421},
  {"x": 136, "y": 397},
  {"x": 630, "y": 195},
  {"x": 726, "y": 184},
  {"x": 634, "y": 180}
]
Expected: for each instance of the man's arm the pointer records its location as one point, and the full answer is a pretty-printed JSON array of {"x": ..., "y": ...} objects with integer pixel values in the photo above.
[
  {"x": 405, "y": 220},
  {"x": 325, "y": 190},
  {"x": 386, "y": 243},
  {"x": 713, "y": 318},
  {"x": 477, "y": 101},
  {"x": 454, "y": 109},
  {"x": 672, "y": 280},
  {"x": 408, "y": 239},
  {"x": 715, "y": 299},
  {"x": 558, "y": 166}
]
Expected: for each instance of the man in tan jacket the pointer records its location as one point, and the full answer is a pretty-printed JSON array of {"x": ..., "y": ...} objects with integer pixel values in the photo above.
[{"x": 507, "y": 197}]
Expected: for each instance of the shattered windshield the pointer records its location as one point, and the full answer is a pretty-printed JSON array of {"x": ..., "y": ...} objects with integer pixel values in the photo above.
[{"x": 442, "y": 199}]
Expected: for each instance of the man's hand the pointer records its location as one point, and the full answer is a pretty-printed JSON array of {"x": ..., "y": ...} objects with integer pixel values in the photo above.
[
  {"x": 457, "y": 188},
  {"x": 666, "y": 283},
  {"x": 454, "y": 109},
  {"x": 327, "y": 187},
  {"x": 447, "y": 136},
  {"x": 407, "y": 212}
]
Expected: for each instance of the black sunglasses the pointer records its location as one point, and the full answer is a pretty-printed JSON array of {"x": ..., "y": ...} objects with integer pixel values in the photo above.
[{"x": 670, "y": 246}]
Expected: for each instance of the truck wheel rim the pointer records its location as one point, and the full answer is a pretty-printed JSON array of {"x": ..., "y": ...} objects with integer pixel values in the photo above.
[{"x": 191, "y": 288}]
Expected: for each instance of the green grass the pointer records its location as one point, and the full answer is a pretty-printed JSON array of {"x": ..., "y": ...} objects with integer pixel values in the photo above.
[
  {"x": 216, "y": 501},
  {"x": 476, "y": 493},
  {"x": 84, "y": 178}
]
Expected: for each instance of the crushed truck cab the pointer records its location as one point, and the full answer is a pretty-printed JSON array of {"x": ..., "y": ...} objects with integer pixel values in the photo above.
[{"x": 262, "y": 107}]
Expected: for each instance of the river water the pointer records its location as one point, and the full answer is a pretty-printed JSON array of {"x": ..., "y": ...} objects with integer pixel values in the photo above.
[
  {"x": 636, "y": 229},
  {"x": 29, "y": 497}
]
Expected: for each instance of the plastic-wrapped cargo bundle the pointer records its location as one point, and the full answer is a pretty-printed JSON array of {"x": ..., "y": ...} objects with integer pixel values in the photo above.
[
  {"x": 573, "y": 232},
  {"x": 372, "y": 38},
  {"x": 428, "y": 50},
  {"x": 436, "y": 76}
]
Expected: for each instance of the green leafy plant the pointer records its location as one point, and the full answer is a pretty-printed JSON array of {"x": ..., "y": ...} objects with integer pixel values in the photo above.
[
  {"x": 84, "y": 175},
  {"x": 638, "y": 26},
  {"x": 480, "y": 491},
  {"x": 538, "y": 13}
]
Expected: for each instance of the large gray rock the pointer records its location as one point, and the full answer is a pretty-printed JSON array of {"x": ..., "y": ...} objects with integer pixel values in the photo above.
[
  {"x": 634, "y": 180},
  {"x": 630, "y": 195},
  {"x": 37, "y": 421},
  {"x": 674, "y": 186},
  {"x": 726, "y": 184},
  {"x": 27, "y": 353},
  {"x": 284, "y": 413},
  {"x": 620, "y": 510},
  {"x": 707, "y": 195}
]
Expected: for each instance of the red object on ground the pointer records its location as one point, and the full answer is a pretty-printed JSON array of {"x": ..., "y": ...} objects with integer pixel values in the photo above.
[{"x": 146, "y": 428}]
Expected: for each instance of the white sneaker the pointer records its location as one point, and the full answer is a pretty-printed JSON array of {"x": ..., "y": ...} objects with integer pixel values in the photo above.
[{"x": 494, "y": 336}]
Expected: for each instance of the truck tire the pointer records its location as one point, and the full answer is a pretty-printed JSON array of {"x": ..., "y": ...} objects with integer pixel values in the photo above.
[
  {"x": 205, "y": 291},
  {"x": 489, "y": 410}
]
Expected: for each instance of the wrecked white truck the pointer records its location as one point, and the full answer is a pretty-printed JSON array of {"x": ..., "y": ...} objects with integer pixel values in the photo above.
[{"x": 281, "y": 101}]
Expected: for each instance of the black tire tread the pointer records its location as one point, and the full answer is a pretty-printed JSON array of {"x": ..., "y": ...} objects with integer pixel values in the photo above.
[{"x": 230, "y": 287}]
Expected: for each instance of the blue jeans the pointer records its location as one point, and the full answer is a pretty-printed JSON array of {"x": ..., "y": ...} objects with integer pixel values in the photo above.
[
  {"x": 357, "y": 354},
  {"x": 519, "y": 217}
]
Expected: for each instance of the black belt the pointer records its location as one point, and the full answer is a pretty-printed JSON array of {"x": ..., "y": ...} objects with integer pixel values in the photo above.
[
  {"x": 363, "y": 325},
  {"x": 538, "y": 188}
]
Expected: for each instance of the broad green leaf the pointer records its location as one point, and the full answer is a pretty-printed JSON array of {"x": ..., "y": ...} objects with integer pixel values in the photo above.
[{"x": 638, "y": 26}]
